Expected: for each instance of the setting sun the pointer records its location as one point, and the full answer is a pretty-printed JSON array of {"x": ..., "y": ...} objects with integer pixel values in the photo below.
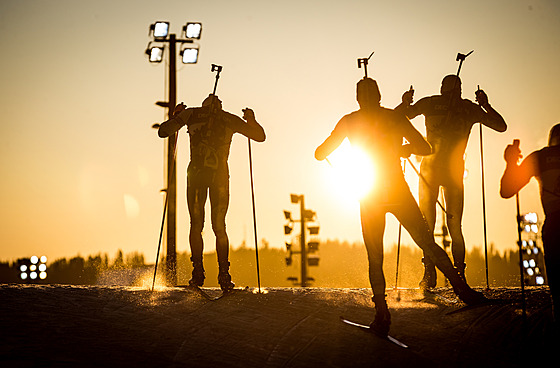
[{"x": 351, "y": 173}]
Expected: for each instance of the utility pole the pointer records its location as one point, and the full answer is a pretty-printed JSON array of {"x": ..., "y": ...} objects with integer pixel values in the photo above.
[
  {"x": 159, "y": 31},
  {"x": 171, "y": 259},
  {"x": 303, "y": 243}
]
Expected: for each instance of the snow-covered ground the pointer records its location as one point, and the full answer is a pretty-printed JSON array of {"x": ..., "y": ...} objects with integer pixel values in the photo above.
[{"x": 72, "y": 326}]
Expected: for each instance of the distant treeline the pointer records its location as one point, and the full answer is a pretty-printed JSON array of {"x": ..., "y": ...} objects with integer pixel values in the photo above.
[
  {"x": 341, "y": 264},
  {"x": 76, "y": 270}
]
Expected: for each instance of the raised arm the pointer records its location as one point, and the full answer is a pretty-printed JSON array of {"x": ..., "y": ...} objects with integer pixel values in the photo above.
[
  {"x": 491, "y": 118},
  {"x": 180, "y": 117},
  {"x": 516, "y": 176},
  {"x": 417, "y": 145},
  {"x": 331, "y": 143},
  {"x": 407, "y": 100},
  {"x": 251, "y": 129}
]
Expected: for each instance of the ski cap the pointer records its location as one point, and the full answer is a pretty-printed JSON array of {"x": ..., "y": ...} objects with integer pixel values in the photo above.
[
  {"x": 367, "y": 92},
  {"x": 554, "y": 136},
  {"x": 212, "y": 99},
  {"x": 450, "y": 83}
]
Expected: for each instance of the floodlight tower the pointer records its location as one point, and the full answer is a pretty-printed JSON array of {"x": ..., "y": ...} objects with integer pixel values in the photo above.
[
  {"x": 189, "y": 55},
  {"x": 306, "y": 215}
]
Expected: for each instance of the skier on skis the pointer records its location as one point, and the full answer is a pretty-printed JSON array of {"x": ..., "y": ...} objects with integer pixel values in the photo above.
[
  {"x": 449, "y": 120},
  {"x": 379, "y": 132},
  {"x": 210, "y": 130},
  {"x": 544, "y": 165}
]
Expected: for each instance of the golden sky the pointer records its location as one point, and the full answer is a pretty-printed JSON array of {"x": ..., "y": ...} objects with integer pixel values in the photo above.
[{"x": 82, "y": 168}]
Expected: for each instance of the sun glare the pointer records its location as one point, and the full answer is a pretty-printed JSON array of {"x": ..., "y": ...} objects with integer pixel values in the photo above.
[{"x": 352, "y": 173}]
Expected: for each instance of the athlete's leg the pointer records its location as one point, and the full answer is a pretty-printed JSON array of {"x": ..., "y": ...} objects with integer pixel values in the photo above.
[
  {"x": 411, "y": 218},
  {"x": 409, "y": 215},
  {"x": 428, "y": 194},
  {"x": 454, "y": 205},
  {"x": 428, "y": 191},
  {"x": 219, "y": 202},
  {"x": 373, "y": 227},
  {"x": 196, "y": 199}
]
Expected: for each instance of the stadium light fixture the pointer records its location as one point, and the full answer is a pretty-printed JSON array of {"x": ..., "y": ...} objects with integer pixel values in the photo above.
[
  {"x": 189, "y": 55},
  {"x": 287, "y": 230},
  {"x": 530, "y": 218},
  {"x": 155, "y": 54},
  {"x": 313, "y": 230},
  {"x": 294, "y": 198},
  {"x": 159, "y": 30},
  {"x": 193, "y": 30}
]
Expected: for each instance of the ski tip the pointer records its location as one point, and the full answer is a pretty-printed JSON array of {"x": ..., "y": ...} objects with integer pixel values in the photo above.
[{"x": 369, "y": 330}]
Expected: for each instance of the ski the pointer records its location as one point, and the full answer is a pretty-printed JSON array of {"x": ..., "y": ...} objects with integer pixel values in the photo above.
[
  {"x": 368, "y": 329},
  {"x": 228, "y": 293},
  {"x": 202, "y": 293},
  {"x": 432, "y": 293},
  {"x": 488, "y": 302}
]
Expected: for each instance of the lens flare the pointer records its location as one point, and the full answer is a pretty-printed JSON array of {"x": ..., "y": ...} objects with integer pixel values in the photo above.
[{"x": 353, "y": 172}]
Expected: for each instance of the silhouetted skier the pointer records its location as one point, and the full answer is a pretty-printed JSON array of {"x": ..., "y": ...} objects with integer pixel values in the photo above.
[
  {"x": 449, "y": 120},
  {"x": 379, "y": 132},
  {"x": 210, "y": 130},
  {"x": 544, "y": 165}
]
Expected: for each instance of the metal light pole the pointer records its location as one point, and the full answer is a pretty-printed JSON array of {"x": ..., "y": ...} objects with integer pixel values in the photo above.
[
  {"x": 303, "y": 243},
  {"x": 160, "y": 34},
  {"x": 306, "y": 215}
]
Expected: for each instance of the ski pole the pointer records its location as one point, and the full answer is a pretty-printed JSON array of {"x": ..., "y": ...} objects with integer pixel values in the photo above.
[
  {"x": 254, "y": 215},
  {"x": 164, "y": 212},
  {"x": 484, "y": 206},
  {"x": 399, "y": 249},
  {"x": 483, "y": 201}
]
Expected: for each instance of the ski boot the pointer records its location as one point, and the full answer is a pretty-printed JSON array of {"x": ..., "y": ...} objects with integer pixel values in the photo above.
[
  {"x": 224, "y": 278},
  {"x": 460, "y": 287},
  {"x": 429, "y": 280},
  {"x": 465, "y": 292},
  {"x": 382, "y": 321},
  {"x": 197, "y": 274},
  {"x": 469, "y": 295}
]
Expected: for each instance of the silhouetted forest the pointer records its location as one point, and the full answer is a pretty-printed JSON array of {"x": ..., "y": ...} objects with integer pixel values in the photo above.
[{"x": 341, "y": 265}]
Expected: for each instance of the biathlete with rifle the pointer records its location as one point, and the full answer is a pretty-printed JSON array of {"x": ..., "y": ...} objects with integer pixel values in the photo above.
[
  {"x": 379, "y": 132},
  {"x": 210, "y": 131},
  {"x": 449, "y": 119}
]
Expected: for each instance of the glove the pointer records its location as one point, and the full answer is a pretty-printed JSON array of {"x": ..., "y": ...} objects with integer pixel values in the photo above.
[
  {"x": 408, "y": 97},
  {"x": 180, "y": 107},
  {"x": 481, "y": 97},
  {"x": 248, "y": 114},
  {"x": 512, "y": 153}
]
